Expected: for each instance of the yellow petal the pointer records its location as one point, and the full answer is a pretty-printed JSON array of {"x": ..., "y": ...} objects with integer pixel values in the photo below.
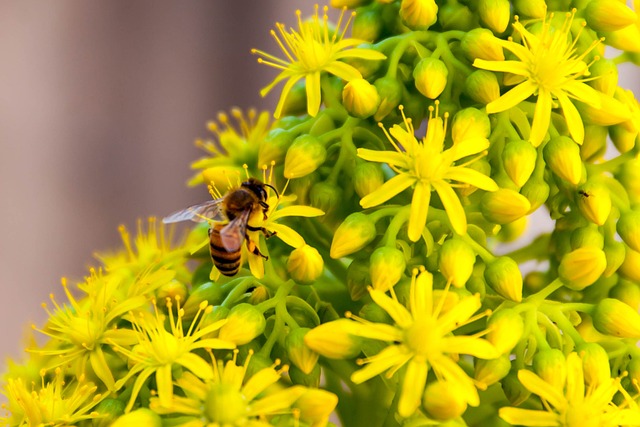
[
  {"x": 394, "y": 186},
  {"x": 419, "y": 210},
  {"x": 452, "y": 206}
]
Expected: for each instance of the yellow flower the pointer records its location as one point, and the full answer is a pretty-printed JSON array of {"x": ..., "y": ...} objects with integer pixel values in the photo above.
[
  {"x": 548, "y": 68},
  {"x": 235, "y": 145},
  {"x": 423, "y": 339},
  {"x": 232, "y": 398},
  {"x": 60, "y": 402},
  {"x": 427, "y": 166},
  {"x": 571, "y": 404},
  {"x": 158, "y": 349},
  {"x": 310, "y": 51}
]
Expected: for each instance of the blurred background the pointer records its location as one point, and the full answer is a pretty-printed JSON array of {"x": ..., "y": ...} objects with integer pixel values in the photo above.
[{"x": 100, "y": 103}]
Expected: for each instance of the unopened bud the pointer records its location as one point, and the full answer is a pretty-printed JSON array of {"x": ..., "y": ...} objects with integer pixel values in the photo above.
[
  {"x": 259, "y": 294},
  {"x": 615, "y": 253},
  {"x": 335, "y": 340},
  {"x": 627, "y": 292},
  {"x": 519, "y": 158},
  {"x": 315, "y": 406},
  {"x": 418, "y": 14},
  {"x": 274, "y": 146},
  {"x": 355, "y": 232},
  {"x": 109, "y": 409},
  {"x": 505, "y": 328},
  {"x": 628, "y": 227},
  {"x": 615, "y": 318},
  {"x": 367, "y": 177},
  {"x": 444, "y": 401},
  {"x": 595, "y": 143},
  {"x": 386, "y": 267},
  {"x": 495, "y": 14},
  {"x": 630, "y": 267},
  {"x": 551, "y": 366},
  {"x": 595, "y": 364},
  {"x": 531, "y": 8},
  {"x": 430, "y": 75},
  {"x": 622, "y": 137},
  {"x": 304, "y": 156},
  {"x": 513, "y": 389},
  {"x": 504, "y": 206},
  {"x": 325, "y": 196},
  {"x": 305, "y": 264},
  {"x": 312, "y": 379},
  {"x": 456, "y": 261},
  {"x": 563, "y": 158},
  {"x": 629, "y": 176},
  {"x": 299, "y": 354},
  {"x": 482, "y": 86},
  {"x": 587, "y": 236},
  {"x": 456, "y": 16},
  {"x": 244, "y": 323},
  {"x": 594, "y": 201},
  {"x": 470, "y": 123},
  {"x": 174, "y": 290},
  {"x": 480, "y": 43},
  {"x": 209, "y": 291},
  {"x": 367, "y": 25},
  {"x": 390, "y": 91},
  {"x": 604, "y": 73},
  {"x": 360, "y": 98},
  {"x": 489, "y": 372},
  {"x": 582, "y": 267},
  {"x": 536, "y": 191},
  {"x": 139, "y": 417},
  {"x": 605, "y": 15},
  {"x": 358, "y": 279},
  {"x": 505, "y": 278}
]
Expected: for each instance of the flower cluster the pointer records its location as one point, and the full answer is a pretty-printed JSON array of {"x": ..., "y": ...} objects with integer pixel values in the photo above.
[{"x": 370, "y": 255}]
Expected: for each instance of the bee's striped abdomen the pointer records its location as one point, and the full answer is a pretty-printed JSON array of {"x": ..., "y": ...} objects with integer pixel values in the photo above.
[{"x": 228, "y": 263}]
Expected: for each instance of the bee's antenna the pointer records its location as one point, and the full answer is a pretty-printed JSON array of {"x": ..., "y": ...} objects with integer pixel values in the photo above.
[{"x": 273, "y": 188}]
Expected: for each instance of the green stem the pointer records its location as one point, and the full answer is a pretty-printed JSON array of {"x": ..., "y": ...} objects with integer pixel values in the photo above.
[
  {"x": 537, "y": 298},
  {"x": 397, "y": 222},
  {"x": 483, "y": 252}
]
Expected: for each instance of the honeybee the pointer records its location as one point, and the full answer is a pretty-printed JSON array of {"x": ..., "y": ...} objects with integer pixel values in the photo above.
[{"x": 230, "y": 215}]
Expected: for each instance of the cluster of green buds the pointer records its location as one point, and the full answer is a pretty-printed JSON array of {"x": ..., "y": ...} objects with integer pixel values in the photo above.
[{"x": 454, "y": 239}]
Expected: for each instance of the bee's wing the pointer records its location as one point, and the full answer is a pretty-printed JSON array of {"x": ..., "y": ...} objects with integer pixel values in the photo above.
[
  {"x": 232, "y": 234},
  {"x": 209, "y": 210}
]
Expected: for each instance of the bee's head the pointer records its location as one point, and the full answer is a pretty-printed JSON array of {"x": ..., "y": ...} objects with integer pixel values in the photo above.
[{"x": 258, "y": 188}]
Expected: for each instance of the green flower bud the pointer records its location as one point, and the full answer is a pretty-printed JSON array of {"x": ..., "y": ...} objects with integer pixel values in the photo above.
[
  {"x": 623, "y": 139},
  {"x": 605, "y": 15},
  {"x": 390, "y": 91},
  {"x": 244, "y": 323},
  {"x": 480, "y": 43},
  {"x": 582, "y": 267},
  {"x": 536, "y": 191},
  {"x": 367, "y": 26},
  {"x": 627, "y": 292},
  {"x": 615, "y": 318},
  {"x": 595, "y": 143},
  {"x": 174, "y": 290},
  {"x": 356, "y": 231},
  {"x": 323, "y": 123},
  {"x": 504, "y": 206},
  {"x": 315, "y": 406},
  {"x": 504, "y": 277},
  {"x": 519, "y": 158},
  {"x": 470, "y": 123},
  {"x": 505, "y": 328},
  {"x": 455, "y": 16},
  {"x": 258, "y": 295},
  {"x": 605, "y": 74},
  {"x": 326, "y": 197},
  {"x": 299, "y": 354},
  {"x": 495, "y": 14},
  {"x": 274, "y": 146},
  {"x": 594, "y": 201},
  {"x": 335, "y": 340},
  {"x": 551, "y": 366},
  {"x": 615, "y": 253},
  {"x": 296, "y": 102},
  {"x": 630, "y": 267},
  {"x": 139, "y": 417},
  {"x": 358, "y": 279},
  {"x": 535, "y": 281},
  {"x": 563, "y": 158},
  {"x": 304, "y": 156},
  {"x": 489, "y": 372},
  {"x": 482, "y": 86},
  {"x": 374, "y": 313},
  {"x": 418, "y": 14},
  {"x": 513, "y": 389},
  {"x": 444, "y": 401},
  {"x": 629, "y": 176},
  {"x": 531, "y": 8},
  {"x": 586, "y": 236},
  {"x": 305, "y": 264},
  {"x": 367, "y": 177},
  {"x": 209, "y": 291},
  {"x": 109, "y": 409},
  {"x": 430, "y": 75},
  {"x": 360, "y": 98},
  {"x": 386, "y": 267},
  {"x": 595, "y": 364},
  {"x": 456, "y": 261},
  {"x": 312, "y": 379},
  {"x": 628, "y": 227}
]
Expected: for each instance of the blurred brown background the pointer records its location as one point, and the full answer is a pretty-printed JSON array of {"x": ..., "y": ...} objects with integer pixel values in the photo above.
[{"x": 100, "y": 103}]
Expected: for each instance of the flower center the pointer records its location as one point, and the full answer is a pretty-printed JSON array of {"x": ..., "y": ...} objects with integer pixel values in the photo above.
[
  {"x": 581, "y": 416},
  {"x": 225, "y": 405},
  {"x": 423, "y": 337},
  {"x": 313, "y": 55}
]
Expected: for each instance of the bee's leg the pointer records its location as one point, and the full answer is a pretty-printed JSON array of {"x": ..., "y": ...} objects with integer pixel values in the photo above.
[
  {"x": 264, "y": 231},
  {"x": 253, "y": 248},
  {"x": 265, "y": 209}
]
